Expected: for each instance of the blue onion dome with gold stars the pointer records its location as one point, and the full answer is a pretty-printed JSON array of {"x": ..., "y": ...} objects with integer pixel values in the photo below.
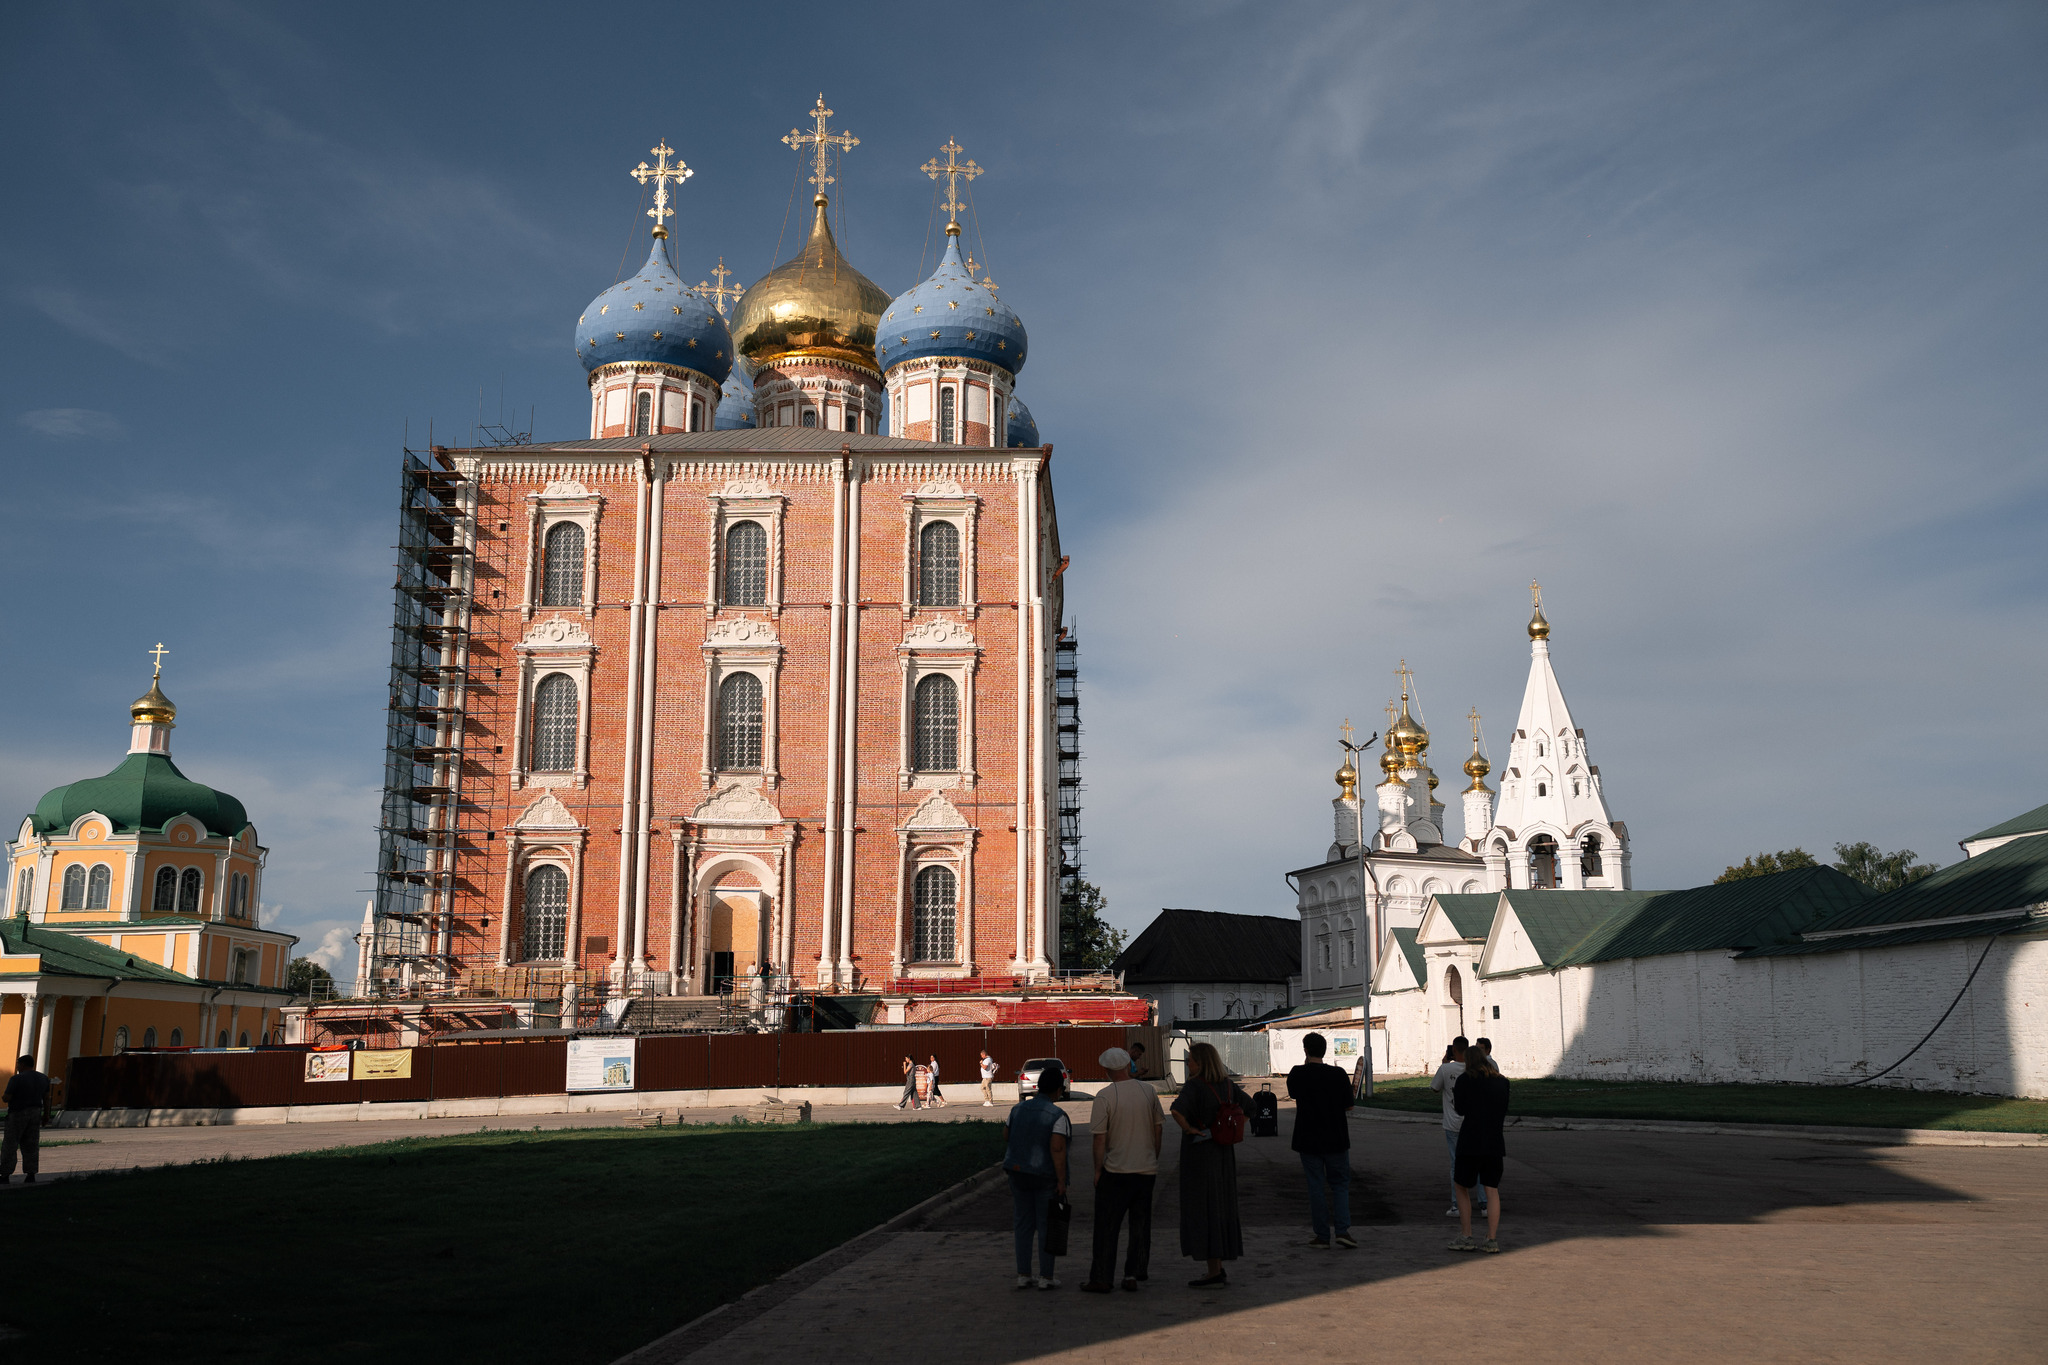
[
  {"x": 736, "y": 410},
  {"x": 951, "y": 314},
  {"x": 1021, "y": 430},
  {"x": 655, "y": 317}
]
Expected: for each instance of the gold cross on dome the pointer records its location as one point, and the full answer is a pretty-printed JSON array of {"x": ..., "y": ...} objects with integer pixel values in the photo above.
[
  {"x": 986, "y": 283},
  {"x": 821, "y": 140},
  {"x": 661, "y": 172},
  {"x": 1405, "y": 674},
  {"x": 158, "y": 654},
  {"x": 955, "y": 171},
  {"x": 1345, "y": 730},
  {"x": 1535, "y": 594},
  {"x": 1474, "y": 718},
  {"x": 720, "y": 292}
]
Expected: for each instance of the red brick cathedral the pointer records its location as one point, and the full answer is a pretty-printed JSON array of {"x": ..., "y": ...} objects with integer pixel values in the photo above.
[{"x": 757, "y": 681}]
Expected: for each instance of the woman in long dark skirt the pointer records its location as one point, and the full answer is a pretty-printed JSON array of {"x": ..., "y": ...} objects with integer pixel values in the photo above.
[{"x": 1209, "y": 1227}]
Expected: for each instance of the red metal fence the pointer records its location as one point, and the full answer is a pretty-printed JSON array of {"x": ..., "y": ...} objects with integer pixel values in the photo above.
[{"x": 483, "y": 1070}]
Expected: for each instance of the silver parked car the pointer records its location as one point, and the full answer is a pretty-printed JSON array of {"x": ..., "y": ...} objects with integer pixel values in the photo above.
[{"x": 1027, "y": 1075}]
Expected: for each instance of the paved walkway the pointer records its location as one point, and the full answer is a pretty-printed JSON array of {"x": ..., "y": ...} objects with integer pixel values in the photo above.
[{"x": 1620, "y": 1247}]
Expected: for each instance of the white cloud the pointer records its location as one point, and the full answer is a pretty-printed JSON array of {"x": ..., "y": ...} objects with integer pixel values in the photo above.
[
  {"x": 74, "y": 422},
  {"x": 337, "y": 945}
]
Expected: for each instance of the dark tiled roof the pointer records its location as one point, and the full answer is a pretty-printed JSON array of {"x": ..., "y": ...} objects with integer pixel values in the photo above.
[
  {"x": 1209, "y": 945},
  {"x": 2012, "y": 876},
  {"x": 1410, "y": 949},
  {"x": 2034, "y": 821},
  {"x": 768, "y": 440},
  {"x": 1889, "y": 938},
  {"x": 1435, "y": 853},
  {"x": 1471, "y": 914},
  {"x": 1559, "y": 922},
  {"x": 1747, "y": 913}
]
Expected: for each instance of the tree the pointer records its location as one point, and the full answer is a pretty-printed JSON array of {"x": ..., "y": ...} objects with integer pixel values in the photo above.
[
  {"x": 1877, "y": 870},
  {"x": 1087, "y": 942},
  {"x": 303, "y": 973},
  {"x": 1764, "y": 864}
]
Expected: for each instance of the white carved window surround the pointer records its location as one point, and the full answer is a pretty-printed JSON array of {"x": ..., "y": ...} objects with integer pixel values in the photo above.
[
  {"x": 935, "y": 836},
  {"x": 562, "y": 500},
  {"x": 554, "y": 644},
  {"x": 744, "y": 500},
  {"x": 526, "y": 852},
  {"x": 742, "y": 644},
  {"x": 939, "y": 500},
  {"x": 937, "y": 645}
]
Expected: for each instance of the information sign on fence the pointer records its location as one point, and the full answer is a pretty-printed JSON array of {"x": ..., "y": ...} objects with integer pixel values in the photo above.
[
  {"x": 601, "y": 1063},
  {"x": 392, "y": 1065},
  {"x": 327, "y": 1066}
]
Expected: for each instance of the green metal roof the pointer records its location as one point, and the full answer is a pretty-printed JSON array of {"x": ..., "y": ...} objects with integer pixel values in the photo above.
[
  {"x": 2012, "y": 876},
  {"x": 1748, "y": 913},
  {"x": 1412, "y": 951},
  {"x": 144, "y": 793},
  {"x": 2034, "y": 821},
  {"x": 1557, "y": 922},
  {"x": 1891, "y": 938},
  {"x": 1470, "y": 913},
  {"x": 65, "y": 955}
]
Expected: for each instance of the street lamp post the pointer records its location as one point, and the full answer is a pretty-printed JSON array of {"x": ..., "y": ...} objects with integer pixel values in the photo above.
[{"x": 1352, "y": 753}]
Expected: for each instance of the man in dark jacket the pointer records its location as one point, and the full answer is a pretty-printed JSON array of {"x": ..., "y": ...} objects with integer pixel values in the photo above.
[
  {"x": 1322, "y": 1135},
  {"x": 24, "y": 1097}
]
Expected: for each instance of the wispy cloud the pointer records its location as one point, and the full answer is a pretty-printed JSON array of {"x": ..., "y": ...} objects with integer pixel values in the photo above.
[{"x": 84, "y": 423}]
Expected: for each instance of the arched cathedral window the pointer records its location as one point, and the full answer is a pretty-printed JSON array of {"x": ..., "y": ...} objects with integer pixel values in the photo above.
[
  {"x": 74, "y": 887},
  {"x": 643, "y": 414},
  {"x": 554, "y": 724},
  {"x": 190, "y": 886},
  {"x": 937, "y": 894},
  {"x": 1589, "y": 860},
  {"x": 24, "y": 892},
  {"x": 99, "y": 886},
  {"x": 561, "y": 583},
  {"x": 165, "y": 901},
  {"x": 948, "y": 415},
  {"x": 746, "y": 564},
  {"x": 739, "y": 723},
  {"x": 938, "y": 565},
  {"x": 936, "y": 725},
  {"x": 547, "y": 912}
]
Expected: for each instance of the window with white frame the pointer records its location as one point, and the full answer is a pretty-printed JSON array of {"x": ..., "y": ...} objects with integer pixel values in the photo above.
[
  {"x": 949, "y": 412},
  {"x": 643, "y": 416},
  {"x": 99, "y": 886},
  {"x": 740, "y": 723},
  {"x": 554, "y": 724},
  {"x": 165, "y": 901},
  {"x": 746, "y": 564},
  {"x": 190, "y": 886},
  {"x": 74, "y": 887},
  {"x": 934, "y": 933},
  {"x": 938, "y": 565},
  {"x": 562, "y": 566},
  {"x": 547, "y": 913},
  {"x": 935, "y": 725},
  {"x": 24, "y": 891}
]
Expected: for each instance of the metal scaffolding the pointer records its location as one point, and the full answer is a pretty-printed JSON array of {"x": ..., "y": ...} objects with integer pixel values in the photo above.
[
  {"x": 1067, "y": 728},
  {"x": 418, "y": 834}
]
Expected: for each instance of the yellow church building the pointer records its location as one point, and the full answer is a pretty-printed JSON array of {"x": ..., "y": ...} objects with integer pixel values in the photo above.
[{"x": 134, "y": 915}]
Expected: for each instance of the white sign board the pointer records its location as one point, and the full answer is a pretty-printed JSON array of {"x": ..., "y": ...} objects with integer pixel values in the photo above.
[
  {"x": 601, "y": 1063},
  {"x": 1344, "y": 1051}
]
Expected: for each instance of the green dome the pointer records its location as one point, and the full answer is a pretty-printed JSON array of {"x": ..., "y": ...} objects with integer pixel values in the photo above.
[{"x": 146, "y": 791}]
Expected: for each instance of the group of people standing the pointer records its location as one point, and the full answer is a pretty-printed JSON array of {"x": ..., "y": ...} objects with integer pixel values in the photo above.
[
  {"x": 1475, "y": 1114},
  {"x": 921, "y": 1082},
  {"x": 1128, "y": 1133}
]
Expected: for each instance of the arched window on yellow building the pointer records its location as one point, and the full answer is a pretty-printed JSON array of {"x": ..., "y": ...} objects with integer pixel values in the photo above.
[{"x": 99, "y": 886}]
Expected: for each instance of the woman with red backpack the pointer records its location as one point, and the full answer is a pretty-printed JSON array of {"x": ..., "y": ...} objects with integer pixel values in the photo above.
[{"x": 1210, "y": 1110}]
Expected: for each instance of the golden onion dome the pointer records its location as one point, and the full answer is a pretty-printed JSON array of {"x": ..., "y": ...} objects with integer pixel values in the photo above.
[
  {"x": 1539, "y": 627},
  {"x": 1432, "y": 778},
  {"x": 1407, "y": 733},
  {"x": 153, "y": 707},
  {"x": 1347, "y": 780},
  {"x": 1390, "y": 764},
  {"x": 813, "y": 304},
  {"x": 1476, "y": 767}
]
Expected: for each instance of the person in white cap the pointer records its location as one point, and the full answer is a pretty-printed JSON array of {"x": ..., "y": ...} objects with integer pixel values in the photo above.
[{"x": 1127, "y": 1130}]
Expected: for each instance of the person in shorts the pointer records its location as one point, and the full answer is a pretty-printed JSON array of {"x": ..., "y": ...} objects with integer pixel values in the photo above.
[{"x": 1481, "y": 1099}]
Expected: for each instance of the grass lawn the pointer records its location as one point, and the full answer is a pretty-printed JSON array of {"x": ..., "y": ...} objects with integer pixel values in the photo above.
[
  {"x": 1862, "y": 1107},
  {"x": 558, "y": 1247}
]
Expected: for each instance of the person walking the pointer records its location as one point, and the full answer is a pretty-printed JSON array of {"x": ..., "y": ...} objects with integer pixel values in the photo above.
[
  {"x": 1138, "y": 1061},
  {"x": 988, "y": 1080},
  {"x": 932, "y": 1070},
  {"x": 1035, "y": 1139},
  {"x": 1447, "y": 1076},
  {"x": 25, "y": 1096},
  {"x": 1481, "y": 1099},
  {"x": 909, "y": 1084},
  {"x": 1128, "y": 1129},
  {"x": 1209, "y": 1226},
  {"x": 1322, "y": 1138}
]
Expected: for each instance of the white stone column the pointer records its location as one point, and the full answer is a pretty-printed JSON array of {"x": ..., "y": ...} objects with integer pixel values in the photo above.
[
  {"x": 77, "y": 1027},
  {"x": 46, "y": 1018}
]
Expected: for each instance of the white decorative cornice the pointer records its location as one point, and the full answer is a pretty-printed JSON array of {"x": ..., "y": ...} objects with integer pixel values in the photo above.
[
  {"x": 748, "y": 488},
  {"x": 736, "y": 804},
  {"x": 936, "y": 812},
  {"x": 556, "y": 632},
  {"x": 938, "y": 632},
  {"x": 565, "y": 488},
  {"x": 740, "y": 632},
  {"x": 546, "y": 813},
  {"x": 940, "y": 488}
]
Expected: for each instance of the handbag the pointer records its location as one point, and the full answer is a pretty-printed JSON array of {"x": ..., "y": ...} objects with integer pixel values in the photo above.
[
  {"x": 1058, "y": 1215},
  {"x": 1227, "y": 1128}
]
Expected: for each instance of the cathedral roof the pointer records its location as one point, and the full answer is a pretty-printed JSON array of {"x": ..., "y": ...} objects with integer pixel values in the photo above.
[
  {"x": 655, "y": 317},
  {"x": 1023, "y": 431},
  {"x": 774, "y": 439},
  {"x": 1210, "y": 945},
  {"x": 951, "y": 314},
  {"x": 143, "y": 794}
]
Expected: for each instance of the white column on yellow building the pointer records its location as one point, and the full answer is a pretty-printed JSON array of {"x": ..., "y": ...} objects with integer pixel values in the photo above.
[
  {"x": 131, "y": 885},
  {"x": 77, "y": 1027},
  {"x": 46, "y": 1019}
]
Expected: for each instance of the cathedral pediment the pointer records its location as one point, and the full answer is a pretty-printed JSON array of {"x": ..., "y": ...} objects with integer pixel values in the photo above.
[
  {"x": 939, "y": 632},
  {"x": 736, "y": 804},
  {"x": 546, "y": 813},
  {"x": 741, "y": 632},
  {"x": 556, "y": 632},
  {"x": 936, "y": 812}
]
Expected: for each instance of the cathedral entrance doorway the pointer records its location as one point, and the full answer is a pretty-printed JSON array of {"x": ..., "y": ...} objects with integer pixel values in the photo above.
[
  {"x": 1454, "y": 1004},
  {"x": 1543, "y": 862},
  {"x": 734, "y": 938}
]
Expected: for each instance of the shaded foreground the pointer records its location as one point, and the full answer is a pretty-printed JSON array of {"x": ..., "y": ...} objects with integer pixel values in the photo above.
[
  {"x": 1861, "y": 1107},
  {"x": 564, "y": 1247}
]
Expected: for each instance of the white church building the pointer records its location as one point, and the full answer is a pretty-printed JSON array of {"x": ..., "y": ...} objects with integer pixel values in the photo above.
[{"x": 1550, "y": 829}]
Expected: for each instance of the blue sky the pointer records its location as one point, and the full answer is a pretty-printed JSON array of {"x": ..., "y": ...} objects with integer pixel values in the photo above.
[{"x": 1725, "y": 322}]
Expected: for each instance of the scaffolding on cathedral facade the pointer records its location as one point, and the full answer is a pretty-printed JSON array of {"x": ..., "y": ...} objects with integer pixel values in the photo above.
[{"x": 1067, "y": 726}]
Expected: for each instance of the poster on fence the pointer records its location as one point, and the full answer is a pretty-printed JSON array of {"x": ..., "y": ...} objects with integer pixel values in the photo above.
[
  {"x": 601, "y": 1063},
  {"x": 327, "y": 1066},
  {"x": 392, "y": 1065},
  {"x": 1345, "y": 1047}
]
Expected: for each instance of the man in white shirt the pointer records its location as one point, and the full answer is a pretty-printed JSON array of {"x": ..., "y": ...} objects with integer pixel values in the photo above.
[
  {"x": 1127, "y": 1128},
  {"x": 1446, "y": 1077},
  {"x": 988, "y": 1080}
]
